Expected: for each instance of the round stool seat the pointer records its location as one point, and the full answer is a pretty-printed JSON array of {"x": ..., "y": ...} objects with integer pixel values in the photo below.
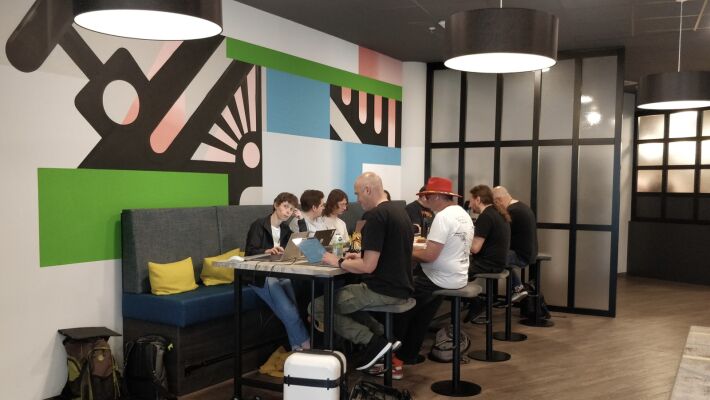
[
  {"x": 393, "y": 308},
  {"x": 492, "y": 275},
  {"x": 470, "y": 290},
  {"x": 543, "y": 257}
]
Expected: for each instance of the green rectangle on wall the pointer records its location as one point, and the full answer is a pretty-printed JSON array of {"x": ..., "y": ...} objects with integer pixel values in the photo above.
[
  {"x": 253, "y": 54},
  {"x": 80, "y": 209}
]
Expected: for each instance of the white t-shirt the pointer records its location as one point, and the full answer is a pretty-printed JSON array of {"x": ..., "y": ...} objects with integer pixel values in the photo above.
[
  {"x": 276, "y": 235},
  {"x": 312, "y": 225},
  {"x": 453, "y": 228},
  {"x": 339, "y": 226}
]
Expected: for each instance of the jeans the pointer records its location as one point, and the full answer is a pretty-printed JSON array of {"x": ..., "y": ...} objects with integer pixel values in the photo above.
[
  {"x": 279, "y": 295},
  {"x": 513, "y": 259},
  {"x": 349, "y": 320}
]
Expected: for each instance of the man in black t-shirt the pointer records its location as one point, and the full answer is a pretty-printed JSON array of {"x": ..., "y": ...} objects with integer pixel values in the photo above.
[
  {"x": 491, "y": 240},
  {"x": 523, "y": 236},
  {"x": 385, "y": 263},
  {"x": 420, "y": 214}
]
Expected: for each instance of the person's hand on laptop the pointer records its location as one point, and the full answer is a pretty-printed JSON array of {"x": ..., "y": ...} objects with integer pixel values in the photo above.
[{"x": 275, "y": 250}]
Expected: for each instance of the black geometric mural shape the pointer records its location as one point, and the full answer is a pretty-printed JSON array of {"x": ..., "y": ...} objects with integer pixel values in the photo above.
[{"x": 366, "y": 132}]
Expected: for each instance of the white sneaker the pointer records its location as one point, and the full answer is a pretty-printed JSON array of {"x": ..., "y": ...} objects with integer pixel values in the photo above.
[{"x": 519, "y": 293}]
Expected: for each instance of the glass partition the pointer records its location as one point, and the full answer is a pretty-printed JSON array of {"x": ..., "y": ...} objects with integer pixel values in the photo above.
[
  {"x": 517, "y": 119},
  {"x": 446, "y": 106},
  {"x": 480, "y": 107},
  {"x": 557, "y": 101}
]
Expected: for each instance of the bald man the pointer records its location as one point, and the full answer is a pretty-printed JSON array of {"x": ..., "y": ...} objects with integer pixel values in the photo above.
[
  {"x": 385, "y": 264},
  {"x": 523, "y": 235}
]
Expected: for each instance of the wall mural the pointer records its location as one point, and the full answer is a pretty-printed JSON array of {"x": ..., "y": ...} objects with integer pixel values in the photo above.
[
  {"x": 223, "y": 135},
  {"x": 359, "y": 117}
]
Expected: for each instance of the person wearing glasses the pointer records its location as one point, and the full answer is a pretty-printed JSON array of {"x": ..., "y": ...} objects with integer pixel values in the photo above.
[{"x": 335, "y": 206}]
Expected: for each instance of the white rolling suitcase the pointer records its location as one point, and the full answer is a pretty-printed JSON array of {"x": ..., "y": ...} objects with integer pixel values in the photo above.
[{"x": 315, "y": 375}]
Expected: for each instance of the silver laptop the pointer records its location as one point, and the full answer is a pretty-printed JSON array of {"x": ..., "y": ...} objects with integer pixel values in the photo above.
[{"x": 291, "y": 252}]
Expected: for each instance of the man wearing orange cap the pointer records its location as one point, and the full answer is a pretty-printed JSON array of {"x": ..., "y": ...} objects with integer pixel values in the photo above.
[{"x": 444, "y": 261}]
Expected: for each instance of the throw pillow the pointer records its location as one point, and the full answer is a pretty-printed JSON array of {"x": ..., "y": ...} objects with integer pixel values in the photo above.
[
  {"x": 212, "y": 275},
  {"x": 172, "y": 278}
]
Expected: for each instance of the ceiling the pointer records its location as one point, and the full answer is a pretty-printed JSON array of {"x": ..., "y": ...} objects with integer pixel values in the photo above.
[{"x": 409, "y": 30}]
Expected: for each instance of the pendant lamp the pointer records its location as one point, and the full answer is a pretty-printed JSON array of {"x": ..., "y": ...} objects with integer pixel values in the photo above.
[
  {"x": 675, "y": 90},
  {"x": 501, "y": 40},
  {"x": 151, "y": 19}
]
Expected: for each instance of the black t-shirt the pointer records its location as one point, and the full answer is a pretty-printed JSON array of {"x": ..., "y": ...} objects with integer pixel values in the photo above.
[
  {"x": 523, "y": 232},
  {"x": 388, "y": 231},
  {"x": 420, "y": 215},
  {"x": 492, "y": 226}
]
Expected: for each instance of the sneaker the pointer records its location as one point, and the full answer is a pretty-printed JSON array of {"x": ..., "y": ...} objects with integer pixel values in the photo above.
[
  {"x": 519, "y": 293},
  {"x": 377, "y": 347},
  {"x": 395, "y": 346},
  {"x": 474, "y": 310},
  {"x": 480, "y": 319},
  {"x": 379, "y": 370}
]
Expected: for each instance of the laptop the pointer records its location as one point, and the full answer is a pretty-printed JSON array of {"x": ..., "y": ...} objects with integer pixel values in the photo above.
[
  {"x": 313, "y": 250},
  {"x": 324, "y": 236},
  {"x": 291, "y": 252}
]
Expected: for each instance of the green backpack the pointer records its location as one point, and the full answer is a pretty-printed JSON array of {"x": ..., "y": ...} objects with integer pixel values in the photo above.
[{"x": 92, "y": 370}]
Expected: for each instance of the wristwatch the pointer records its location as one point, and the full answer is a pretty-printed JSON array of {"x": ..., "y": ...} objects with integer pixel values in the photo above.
[{"x": 340, "y": 262}]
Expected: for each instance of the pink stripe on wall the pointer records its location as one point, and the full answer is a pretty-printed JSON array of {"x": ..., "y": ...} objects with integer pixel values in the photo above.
[
  {"x": 379, "y": 66},
  {"x": 347, "y": 95},
  {"x": 391, "y": 122},
  {"x": 362, "y": 97},
  {"x": 172, "y": 123},
  {"x": 378, "y": 114}
]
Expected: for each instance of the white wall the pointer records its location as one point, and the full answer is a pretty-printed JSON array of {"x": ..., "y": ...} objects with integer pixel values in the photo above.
[{"x": 42, "y": 128}]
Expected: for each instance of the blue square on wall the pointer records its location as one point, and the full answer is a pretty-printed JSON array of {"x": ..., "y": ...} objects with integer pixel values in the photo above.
[{"x": 297, "y": 105}]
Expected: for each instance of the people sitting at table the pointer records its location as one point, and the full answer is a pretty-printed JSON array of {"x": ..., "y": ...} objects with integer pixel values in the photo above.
[
  {"x": 310, "y": 217},
  {"x": 385, "y": 265},
  {"x": 335, "y": 206},
  {"x": 420, "y": 214},
  {"x": 491, "y": 240},
  {"x": 444, "y": 265},
  {"x": 523, "y": 236},
  {"x": 270, "y": 235}
]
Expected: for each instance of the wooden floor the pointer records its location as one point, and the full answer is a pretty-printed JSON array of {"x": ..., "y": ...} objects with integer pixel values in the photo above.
[{"x": 632, "y": 356}]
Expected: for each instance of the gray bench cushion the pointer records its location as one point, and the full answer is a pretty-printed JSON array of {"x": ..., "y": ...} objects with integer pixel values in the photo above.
[
  {"x": 165, "y": 235},
  {"x": 234, "y": 223}
]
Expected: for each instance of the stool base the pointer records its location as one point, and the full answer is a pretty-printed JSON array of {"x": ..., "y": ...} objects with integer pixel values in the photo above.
[
  {"x": 514, "y": 337},
  {"x": 446, "y": 388},
  {"x": 498, "y": 356},
  {"x": 544, "y": 323}
]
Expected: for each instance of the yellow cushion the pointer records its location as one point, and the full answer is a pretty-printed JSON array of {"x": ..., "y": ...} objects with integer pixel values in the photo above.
[
  {"x": 212, "y": 275},
  {"x": 171, "y": 278}
]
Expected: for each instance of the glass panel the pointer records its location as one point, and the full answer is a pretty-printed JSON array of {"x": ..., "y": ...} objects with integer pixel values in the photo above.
[
  {"x": 648, "y": 207},
  {"x": 706, "y": 123},
  {"x": 446, "y": 106},
  {"x": 554, "y": 242},
  {"x": 681, "y": 153},
  {"x": 705, "y": 152},
  {"x": 481, "y": 107},
  {"x": 553, "y": 184},
  {"x": 594, "y": 184},
  {"x": 515, "y": 163},
  {"x": 591, "y": 284},
  {"x": 705, "y": 181},
  {"x": 598, "y": 111},
  {"x": 651, "y": 127},
  {"x": 479, "y": 169},
  {"x": 683, "y": 124},
  {"x": 518, "y": 97},
  {"x": 681, "y": 181},
  {"x": 679, "y": 207},
  {"x": 648, "y": 181},
  {"x": 557, "y": 101},
  {"x": 650, "y": 154},
  {"x": 445, "y": 163}
]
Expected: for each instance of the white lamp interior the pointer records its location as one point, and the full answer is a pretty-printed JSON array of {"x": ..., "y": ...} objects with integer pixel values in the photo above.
[
  {"x": 501, "y": 63},
  {"x": 144, "y": 24}
]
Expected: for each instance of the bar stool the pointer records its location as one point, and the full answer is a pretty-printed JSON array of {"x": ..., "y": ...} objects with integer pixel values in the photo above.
[
  {"x": 390, "y": 309},
  {"x": 456, "y": 387},
  {"x": 508, "y": 335},
  {"x": 489, "y": 354},
  {"x": 536, "y": 319}
]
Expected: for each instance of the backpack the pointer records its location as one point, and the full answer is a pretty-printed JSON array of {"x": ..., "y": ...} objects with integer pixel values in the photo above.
[
  {"x": 144, "y": 368},
  {"x": 527, "y": 305},
  {"x": 443, "y": 348},
  {"x": 366, "y": 390},
  {"x": 92, "y": 370}
]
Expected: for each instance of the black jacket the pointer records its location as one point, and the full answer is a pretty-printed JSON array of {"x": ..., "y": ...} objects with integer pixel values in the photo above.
[{"x": 259, "y": 238}]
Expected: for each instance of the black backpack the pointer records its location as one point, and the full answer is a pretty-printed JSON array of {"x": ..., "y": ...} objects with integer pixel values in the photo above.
[
  {"x": 366, "y": 390},
  {"x": 144, "y": 369},
  {"x": 92, "y": 370},
  {"x": 527, "y": 305}
]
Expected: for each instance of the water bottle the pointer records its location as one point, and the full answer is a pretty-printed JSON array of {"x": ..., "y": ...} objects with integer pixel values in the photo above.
[{"x": 338, "y": 244}]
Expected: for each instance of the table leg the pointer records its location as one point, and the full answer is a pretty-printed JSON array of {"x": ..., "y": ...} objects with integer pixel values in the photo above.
[
  {"x": 313, "y": 311},
  {"x": 237, "y": 337},
  {"x": 329, "y": 288}
]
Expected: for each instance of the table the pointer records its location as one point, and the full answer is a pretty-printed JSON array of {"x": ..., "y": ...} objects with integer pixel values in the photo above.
[{"x": 278, "y": 269}]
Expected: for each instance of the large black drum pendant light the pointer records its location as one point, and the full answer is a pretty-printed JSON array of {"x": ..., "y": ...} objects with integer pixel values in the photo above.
[
  {"x": 151, "y": 19},
  {"x": 675, "y": 90},
  {"x": 501, "y": 40}
]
